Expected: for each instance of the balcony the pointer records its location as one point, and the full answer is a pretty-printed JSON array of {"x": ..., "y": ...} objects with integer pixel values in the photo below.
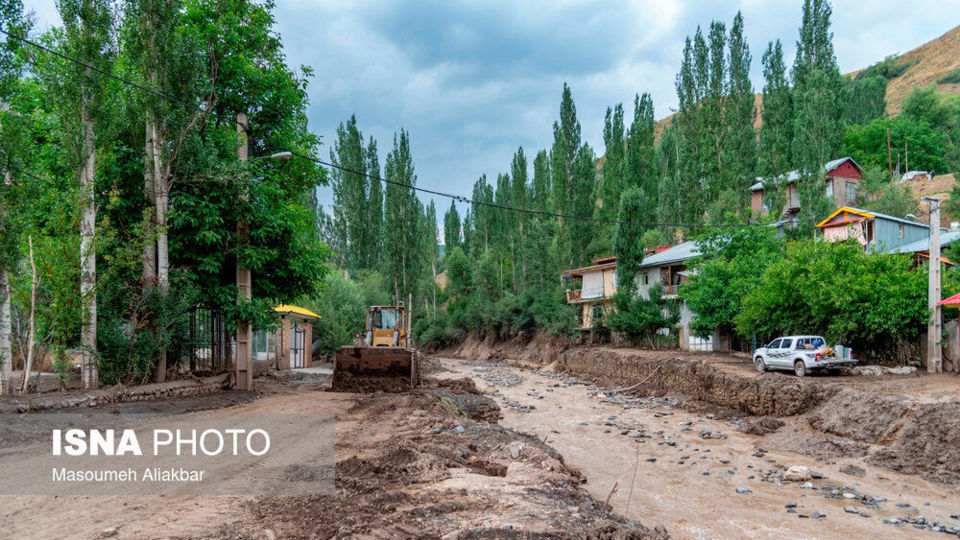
[
  {"x": 573, "y": 296},
  {"x": 671, "y": 291}
]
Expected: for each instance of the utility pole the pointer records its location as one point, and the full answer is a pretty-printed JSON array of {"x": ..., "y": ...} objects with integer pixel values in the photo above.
[
  {"x": 934, "y": 359},
  {"x": 243, "y": 359}
]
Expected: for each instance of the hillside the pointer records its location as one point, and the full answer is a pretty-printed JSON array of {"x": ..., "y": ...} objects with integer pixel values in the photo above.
[{"x": 928, "y": 64}]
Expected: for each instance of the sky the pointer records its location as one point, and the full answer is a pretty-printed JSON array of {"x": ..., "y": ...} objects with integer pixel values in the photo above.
[{"x": 473, "y": 81}]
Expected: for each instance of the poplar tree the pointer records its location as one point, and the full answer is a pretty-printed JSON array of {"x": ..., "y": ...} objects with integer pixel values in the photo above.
[
  {"x": 400, "y": 218},
  {"x": 776, "y": 130},
  {"x": 642, "y": 167},
  {"x": 88, "y": 37},
  {"x": 519, "y": 198},
  {"x": 451, "y": 229},
  {"x": 740, "y": 148},
  {"x": 373, "y": 229},
  {"x": 817, "y": 130},
  {"x": 350, "y": 195},
  {"x": 612, "y": 180},
  {"x": 626, "y": 240}
]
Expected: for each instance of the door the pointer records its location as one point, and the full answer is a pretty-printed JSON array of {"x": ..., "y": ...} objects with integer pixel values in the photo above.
[
  {"x": 297, "y": 338},
  {"x": 782, "y": 355}
]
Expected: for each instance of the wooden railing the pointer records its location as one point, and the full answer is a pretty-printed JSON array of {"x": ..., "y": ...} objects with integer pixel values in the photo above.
[
  {"x": 573, "y": 295},
  {"x": 671, "y": 290}
]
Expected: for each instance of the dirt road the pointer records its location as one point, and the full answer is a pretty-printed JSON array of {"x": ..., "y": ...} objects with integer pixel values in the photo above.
[{"x": 699, "y": 476}]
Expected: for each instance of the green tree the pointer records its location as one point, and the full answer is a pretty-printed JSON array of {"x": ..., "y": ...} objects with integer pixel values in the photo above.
[
  {"x": 927, "y": 145},
  {"x": 730, "y": 266},
  {"x": 451, "y": 228},
  {"x": 627, "y": 245},
  {"x": 739, "y": 140},
  {"x": 817, "y": 129}
]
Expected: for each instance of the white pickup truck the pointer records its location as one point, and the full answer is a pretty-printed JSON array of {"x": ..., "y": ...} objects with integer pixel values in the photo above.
[{"x": 800, "y": 354}]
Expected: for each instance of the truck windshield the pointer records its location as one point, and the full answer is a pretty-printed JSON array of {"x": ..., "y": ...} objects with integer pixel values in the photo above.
[{"x": 386, "y": 319}]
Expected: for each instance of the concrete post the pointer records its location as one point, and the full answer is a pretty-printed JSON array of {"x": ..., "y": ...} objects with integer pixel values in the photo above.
[
  {"x": 244, "y": 356},
  {"x": 934, "y": 356}
]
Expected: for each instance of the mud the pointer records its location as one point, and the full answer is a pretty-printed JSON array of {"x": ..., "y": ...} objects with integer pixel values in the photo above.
[
  {"x": 437, "y": 472},
  {"x": 662, "y": 460},
  {"x": 903, "y": 423},
  {"x": 539, "y": 349}
]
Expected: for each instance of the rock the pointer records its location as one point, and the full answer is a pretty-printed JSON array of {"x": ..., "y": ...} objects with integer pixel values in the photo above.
[
  {"x": 22, "y": 408},
  {"x": 903, "y": 370},
  {"x": 651, "y": 460},
  {"x": 790, "y": 505},
  {"x": 850, "y": 510},
  {"x": 807, "y": 485},
  {"x": 458, "y": 429},
  {"x": 849, "y": 495},
  {"x": 269, "y": 534},
  {"x": 109, "y": 532},
  {"x": 853, "y": 470},
  {"x": 744, "y": 490},
  {"x": 818, "y": 515},
  {"x": 797, "y": 473},
  {"x": 891, "y": 521},
  {"x": 817, "y": 475},
  {"x": 514, "y": 451}
]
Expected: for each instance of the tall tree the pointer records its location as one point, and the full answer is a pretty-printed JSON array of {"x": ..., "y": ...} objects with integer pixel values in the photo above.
[
  {"x": 374, "y": 219},
  {"x": 350, "y": 192},
  {"x": 88, "y": 36},
  {"x": 11, "y": 14},
  {"x": 740, "y": 148},
  {"x": 400, "y": 218},
  {"x": 642, "y": 167},
  {"x": 626, "y": 240},
  {"x": 776, "y": 130},
  {"x": 519, "y": 198},
  {"x": 451, "y": 228},
  {"x": 817, "y": 129}
]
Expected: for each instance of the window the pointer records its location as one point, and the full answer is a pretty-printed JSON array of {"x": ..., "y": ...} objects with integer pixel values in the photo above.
[
  {"x": 786, "y": 344},
  {"x": 901, "y": 230},
  {"x": 645, "y": 276},
  {"x": 851, "y": 193},
  {"x": 830, "y": 188},
  {"x": 775, "y": 344}
]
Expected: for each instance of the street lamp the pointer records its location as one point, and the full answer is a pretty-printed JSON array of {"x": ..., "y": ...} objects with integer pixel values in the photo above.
[{"x": 283, "y": 155}]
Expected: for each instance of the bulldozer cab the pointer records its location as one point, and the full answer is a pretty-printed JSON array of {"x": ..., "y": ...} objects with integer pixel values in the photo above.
[{"x": 386, "y": 327}]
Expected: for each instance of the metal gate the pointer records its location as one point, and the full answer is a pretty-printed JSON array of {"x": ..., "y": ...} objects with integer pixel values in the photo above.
[
  {"x": 210, "y": 347},
  {"x": 297, "y": 337}
]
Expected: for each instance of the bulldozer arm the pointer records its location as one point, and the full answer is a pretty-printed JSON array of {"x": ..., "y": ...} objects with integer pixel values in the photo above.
[{"x": 368, "y": 369}]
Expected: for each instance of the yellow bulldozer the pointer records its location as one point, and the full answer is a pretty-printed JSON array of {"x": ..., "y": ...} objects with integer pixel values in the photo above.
[{"x": 382, "y": 357}]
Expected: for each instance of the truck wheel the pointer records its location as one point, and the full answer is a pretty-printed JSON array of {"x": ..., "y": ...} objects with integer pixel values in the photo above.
[
  {"x": 761, "y": 365},
  {"x": 799, "y": 368}
]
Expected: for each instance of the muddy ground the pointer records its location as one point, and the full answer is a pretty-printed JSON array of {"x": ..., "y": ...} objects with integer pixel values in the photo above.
[
  {"x": 417, "y": 464},
  {"x": 704, "y": 470}
]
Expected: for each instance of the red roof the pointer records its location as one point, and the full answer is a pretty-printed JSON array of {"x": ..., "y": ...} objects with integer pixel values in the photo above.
[
  {"x": 953, "y": 301},
  {"x": 577, "y": 271}
]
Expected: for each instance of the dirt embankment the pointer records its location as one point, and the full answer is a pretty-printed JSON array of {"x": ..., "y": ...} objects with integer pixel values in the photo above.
[
  {"x": 829, "y": 416},
  {"x": 413, "y": 465},
  {"x": 539, "y": 349}
]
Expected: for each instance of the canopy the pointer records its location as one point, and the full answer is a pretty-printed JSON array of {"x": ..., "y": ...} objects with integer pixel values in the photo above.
[
  {"x": 953, "y": 301},
  {"x": 295, "y": 310}
]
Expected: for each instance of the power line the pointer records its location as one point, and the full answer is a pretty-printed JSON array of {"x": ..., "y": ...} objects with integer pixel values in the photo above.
[
  {"x": 454, "y": 197},
  {"x": 459, "y": 198}
]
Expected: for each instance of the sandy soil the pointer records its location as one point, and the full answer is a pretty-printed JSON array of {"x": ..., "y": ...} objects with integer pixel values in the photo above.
[{"x": 613, "y": 443}]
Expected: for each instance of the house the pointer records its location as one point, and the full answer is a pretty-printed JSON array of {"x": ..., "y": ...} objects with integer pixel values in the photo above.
[
  {"x": 842, "y": 178},
  {"x": 289, "y": 346},
  {"x": 592, "y": 287},
  {"x": 667, "y": 271},
  {"x": 882, "y": 233}
]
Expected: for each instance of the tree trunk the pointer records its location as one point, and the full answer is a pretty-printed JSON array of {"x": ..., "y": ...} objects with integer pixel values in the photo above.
[
  {"x": 88, "y": 259},
  {"x": 161, "y": 198},
  {"x": 31, "y": 329},
  {"x": 149, "y": 241},
  {"x": 6, "y": 351}
]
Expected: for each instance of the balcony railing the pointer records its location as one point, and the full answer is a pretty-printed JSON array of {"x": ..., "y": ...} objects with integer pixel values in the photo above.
[
  {"x": 671, "y": 290},
  {"x": 573, "y": 296}
]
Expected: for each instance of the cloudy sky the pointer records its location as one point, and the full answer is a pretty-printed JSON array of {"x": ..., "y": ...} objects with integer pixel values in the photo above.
[{"x": 472, "y": 81}]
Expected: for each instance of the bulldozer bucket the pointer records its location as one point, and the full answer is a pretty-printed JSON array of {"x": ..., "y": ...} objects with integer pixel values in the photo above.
[{"x": 368, "y": 369}]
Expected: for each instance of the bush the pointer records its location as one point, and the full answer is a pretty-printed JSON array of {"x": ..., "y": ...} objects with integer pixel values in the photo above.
[
  {"x": 951, "y": 78},
  {"x": 872, "y": 302},
  {"x": 640, "y": 319}
]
